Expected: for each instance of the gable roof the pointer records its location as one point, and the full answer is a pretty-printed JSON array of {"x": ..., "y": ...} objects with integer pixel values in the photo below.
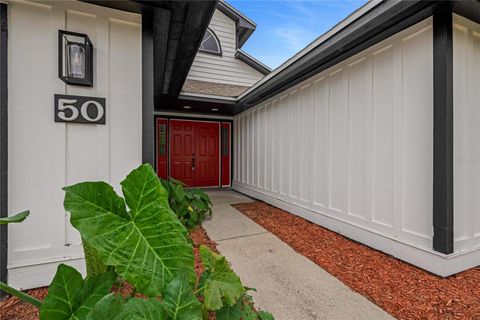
[
  {"x": 252, "y": 62},
  {"x": 245, "y": 26}
]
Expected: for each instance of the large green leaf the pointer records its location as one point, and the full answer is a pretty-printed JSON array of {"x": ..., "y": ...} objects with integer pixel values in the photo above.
[
  {"x": 248, "y": 313},
  {"x": 113, "y": 308},
  {"x": 141, "y": 309},
  {"x": 218, "y": 282},
  {"x": 166, "y": 184},
  {"x": 108, "y": 308},
  {"x": 180, "y": 301},
  {"x": 19, "y": 217},
  {"x": 175, "y": 181},
  {"x": 230, "y": 312},
  {"x": 70, "y": 297},
  {"x": 93, "y": 260},
  {"x": 147, "y": 245},
  {"x": 242, "y": 310},
  {"x": 178, "y": 192}
]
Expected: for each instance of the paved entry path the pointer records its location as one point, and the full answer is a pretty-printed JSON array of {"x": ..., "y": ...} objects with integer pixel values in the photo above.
[{"x": 289, "y": 285}]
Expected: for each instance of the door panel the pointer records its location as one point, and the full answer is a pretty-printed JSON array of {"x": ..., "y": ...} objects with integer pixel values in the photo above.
[
  {"x": 207, "y": 155},
  {"x": 182, "y": 151},
  {"x": 194, "y": 156}
]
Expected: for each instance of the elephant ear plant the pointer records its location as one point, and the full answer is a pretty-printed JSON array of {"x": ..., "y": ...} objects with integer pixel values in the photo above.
[
  {"x": 138, "y": 240},
  {"x": 191, "y": 205},
  {"x": 16, "y": 218}
]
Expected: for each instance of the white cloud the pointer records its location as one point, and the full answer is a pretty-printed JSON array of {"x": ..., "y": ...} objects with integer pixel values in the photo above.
[{"x": 294, "y": 38}]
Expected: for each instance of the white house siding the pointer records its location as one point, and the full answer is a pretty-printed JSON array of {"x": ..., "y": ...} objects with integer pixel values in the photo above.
[
  {"x": 43, "y": 155},
  {"x": 225, "y": 68},
  {"x": 466, "y": 67},
  {"x": 352, "y": 147}
]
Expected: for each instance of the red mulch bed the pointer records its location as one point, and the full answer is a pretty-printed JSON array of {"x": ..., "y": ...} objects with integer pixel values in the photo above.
[
  {"x": 15, "y": 309},
  {"x": 404, "y": 291}
]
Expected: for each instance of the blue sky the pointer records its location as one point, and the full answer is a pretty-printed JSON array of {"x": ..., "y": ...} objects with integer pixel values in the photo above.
[{"x": 284, "y": 27}]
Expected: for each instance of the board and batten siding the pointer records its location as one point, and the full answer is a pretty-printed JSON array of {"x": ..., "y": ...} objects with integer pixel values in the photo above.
[
  {"x": 466, "y": 72},
  {"x": 226, "y": 68},
  {"x": 352, "y": 147},
  {"x": 43, "y": 155}
]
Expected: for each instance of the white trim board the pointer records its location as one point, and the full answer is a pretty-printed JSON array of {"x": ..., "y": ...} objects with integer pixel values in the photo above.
[
  {"x": 434, "y": 262},
  {"x": 40, "y": 275}
]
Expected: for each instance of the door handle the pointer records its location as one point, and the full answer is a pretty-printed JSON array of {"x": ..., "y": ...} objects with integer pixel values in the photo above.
[{"x": 193, "y": 162}]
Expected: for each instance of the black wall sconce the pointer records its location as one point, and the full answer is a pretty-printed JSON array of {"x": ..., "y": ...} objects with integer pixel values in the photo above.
[{"x": 75, "y": 58}]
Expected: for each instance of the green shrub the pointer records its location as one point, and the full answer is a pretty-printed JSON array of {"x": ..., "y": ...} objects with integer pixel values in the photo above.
[
  {"x": 138, "y": 239},
  {"x": 190, "y": 205}
]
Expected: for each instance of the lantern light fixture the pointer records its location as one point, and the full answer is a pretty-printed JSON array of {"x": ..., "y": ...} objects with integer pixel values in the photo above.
[{"x": 75, "y": 58}]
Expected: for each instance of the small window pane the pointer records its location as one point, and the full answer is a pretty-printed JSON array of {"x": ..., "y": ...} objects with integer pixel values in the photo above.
[
  {"x": 210, "y": 43},
  {"x": 162, "y": 140},
  {"x": 206, "y": 35},
  {"x": 224, "y": 141}
]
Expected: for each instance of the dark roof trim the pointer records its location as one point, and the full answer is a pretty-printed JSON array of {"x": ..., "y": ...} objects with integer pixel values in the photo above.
[
  {"x": 193, "y": 97},
  {"x": 467, "y": 9},
  {"x": 128, "y": 6},
  {"x": 252, "y": 62},
  {"x": 243, "y": 35},
  {"x": 373, "y": 26},
  {"x": 177, "y": 35},
  {"x": 197, "y": 18},
  {"x": 245, "y": 26}
]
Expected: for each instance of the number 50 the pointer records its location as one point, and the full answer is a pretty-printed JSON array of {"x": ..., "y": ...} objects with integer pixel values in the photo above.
[{"x": 76, "y": 109}]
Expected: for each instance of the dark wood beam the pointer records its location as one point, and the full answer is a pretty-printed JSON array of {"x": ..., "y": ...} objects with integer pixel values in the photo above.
[
  {"x": 177, "y": 28},
  {"x": 148, "y": 129},
  {"x": 161, "y": 29},
  {"x": 197, "y": 18},
  {"x": 3, "y": 140},
  {"x": 443, "y": 129}
]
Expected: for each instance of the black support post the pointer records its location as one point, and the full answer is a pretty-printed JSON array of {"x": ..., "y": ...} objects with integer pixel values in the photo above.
[
  {"x": 443, "y": 129},
  {"x": 161, "y": 28},
  {"x": 3, "y": 141},
  {"x": 148, "y": 129}
]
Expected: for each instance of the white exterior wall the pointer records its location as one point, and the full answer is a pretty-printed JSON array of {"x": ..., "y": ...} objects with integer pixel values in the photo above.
[
  {"x": 225, "y": 68},
  {"x": 352, "y": 148},
  {"x": 466, "y": 68},
  {"x": 43, "y": 155}
]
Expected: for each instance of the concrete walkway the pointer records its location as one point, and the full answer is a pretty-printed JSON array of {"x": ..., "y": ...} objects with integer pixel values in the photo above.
[{"x": 289, "y": 285}]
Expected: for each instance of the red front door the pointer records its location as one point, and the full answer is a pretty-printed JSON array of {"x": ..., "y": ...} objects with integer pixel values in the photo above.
[
  {"x": 194, "y": 156},
  {"x": 182, "y": 136}
]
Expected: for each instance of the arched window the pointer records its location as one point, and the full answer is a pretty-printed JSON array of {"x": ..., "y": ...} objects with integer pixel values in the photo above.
[{"x": 210, "y": 43}]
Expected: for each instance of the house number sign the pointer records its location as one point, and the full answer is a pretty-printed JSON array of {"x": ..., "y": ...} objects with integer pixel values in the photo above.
[{"x": 79, "y": 109}]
